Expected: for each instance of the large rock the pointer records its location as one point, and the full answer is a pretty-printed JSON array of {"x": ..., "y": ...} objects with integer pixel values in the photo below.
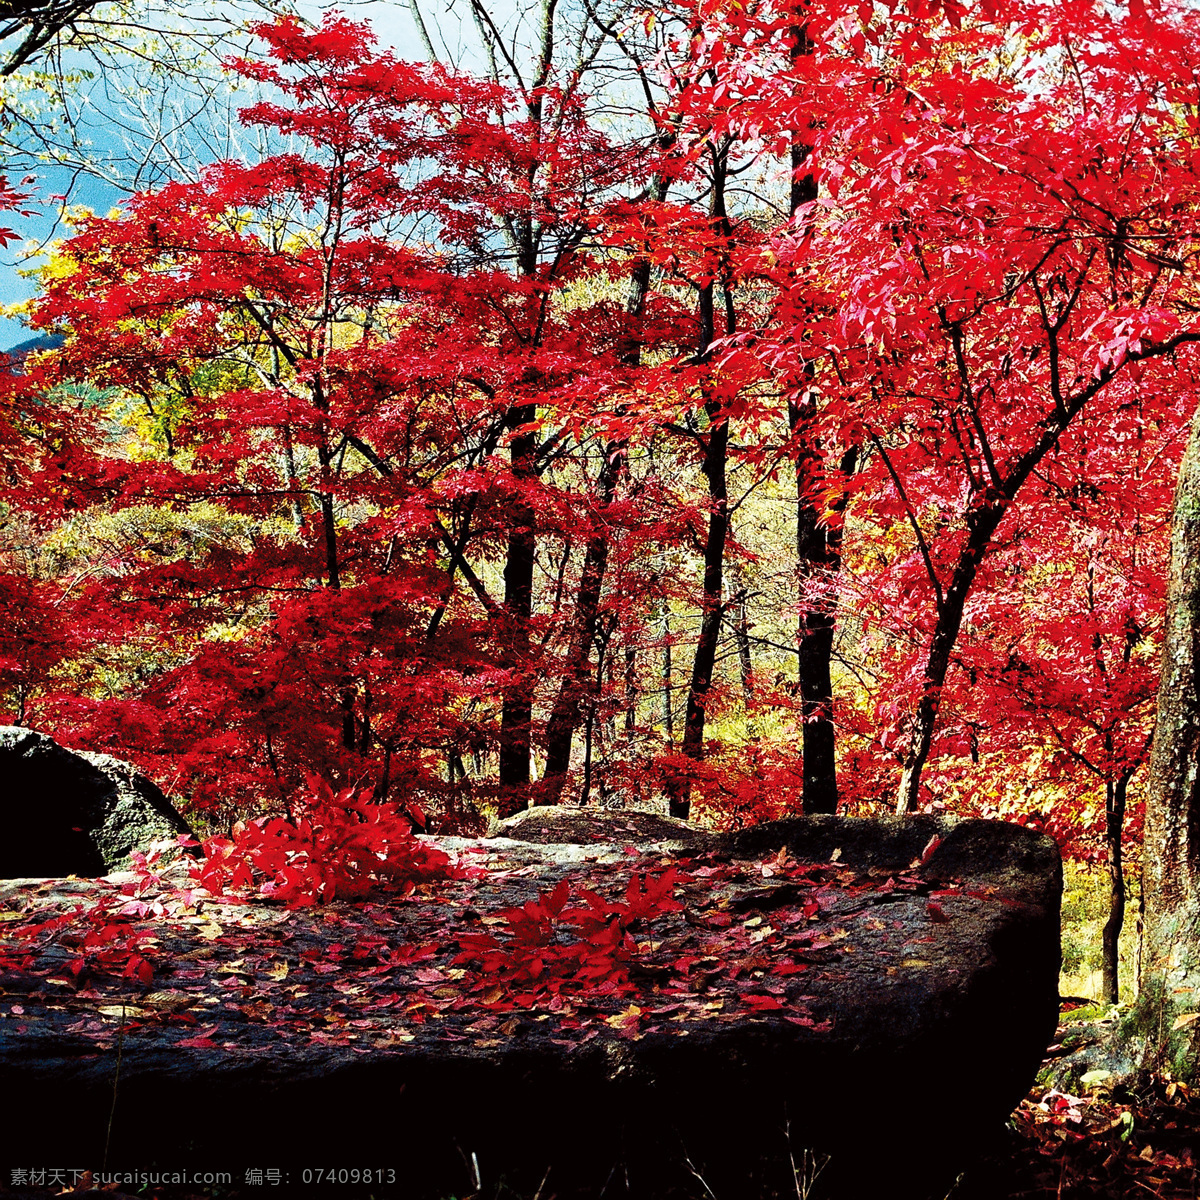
[
  {"x": 72, "y": 812},
  {"x": 858, "y": 987}
]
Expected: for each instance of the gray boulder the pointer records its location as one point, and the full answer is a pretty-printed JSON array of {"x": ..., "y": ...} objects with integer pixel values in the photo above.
[
  {"x": 72, "y": 812},
  {"x": 879, "y": 991}
]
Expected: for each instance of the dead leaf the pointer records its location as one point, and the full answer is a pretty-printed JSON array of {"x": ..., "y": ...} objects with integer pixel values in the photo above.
[
  {"x": 120, "y": 1010},
  {"x": 626, "y": 1022},
  {"x": 169, "y": 1001}
]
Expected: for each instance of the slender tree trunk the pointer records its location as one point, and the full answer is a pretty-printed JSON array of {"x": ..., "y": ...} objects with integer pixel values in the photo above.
[
  {"x": 589, "y": 723},
  {"x": 631, "y": 688},
  {"x": 610, "y": 666},
  {"x": 333, "y": 579},
  {"x": 819, "y": 556},
  {"x": 741, "y": 639},
  {"x": 565, "y": 716},
  {"x": 818, "y": 552},
  {"x": 593, "y": 703},
  {"x": 516, "y": 714},
  {"x": 1169, "y": 992},
  {"x": 516, "y": 711},
  {"x": 576, "y": 683},
  {"x": 1114, "y": 829},
  {"x": 715, "y": 460},
  {"x": 982, "y": 524},
  {"x": 292, "y": 478},
  {"x": 668, "y": 710},
  {"x": 716, "y": 456}
]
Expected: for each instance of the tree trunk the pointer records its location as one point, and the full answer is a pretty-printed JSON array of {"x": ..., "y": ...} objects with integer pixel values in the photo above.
[
  {"x": 1169, "y": 992},
  {"x": 740, "y": 622},
  {"x": 1114, "y": 828},
  {"x": 333, "y": 579},
  {"x": 516, "y": 714},
  {"x": 668, "y": 710},
  {"x": 565, "y": 716},
  {"x": 716, "y": 457},
  {"x": 712, "y": 603},
  {"x": 713, "y": 609},
  {"x": 576, "y": 682},
  {"x": 818, "y": 555},
  {"x": 819, "y": 558},
  {"x": 631, "y": 688},
  {"x": 982, "y": 524}
]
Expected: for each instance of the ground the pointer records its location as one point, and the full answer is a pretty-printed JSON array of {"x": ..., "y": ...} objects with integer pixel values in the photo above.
[{"x": 1099, "y": 1143}]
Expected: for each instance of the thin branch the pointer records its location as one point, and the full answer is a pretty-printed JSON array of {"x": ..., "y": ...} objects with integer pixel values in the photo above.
[
  {"x": 912, "y": 518},
  {"x": 415, "y": 9}
]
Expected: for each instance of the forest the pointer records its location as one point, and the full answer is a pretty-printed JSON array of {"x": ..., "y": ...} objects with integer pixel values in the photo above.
[{"x": 732, "y": 410}]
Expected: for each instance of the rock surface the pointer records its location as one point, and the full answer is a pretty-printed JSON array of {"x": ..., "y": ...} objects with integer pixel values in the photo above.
[
  {"x": 69, "y": 812},
  {"x": 860, "y": 987}
]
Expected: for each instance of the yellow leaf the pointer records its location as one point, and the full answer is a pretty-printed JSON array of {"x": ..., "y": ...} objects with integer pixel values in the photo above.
[
  {"x": 627, "y": 1021},
  {"x": 398, "y": 1037},
  {"x": 1185, "y": 1019},
  {"x": 278, "y": 970},
  {"x": 621, "y": 1019},
  {"x": 169, "y": 1001}
]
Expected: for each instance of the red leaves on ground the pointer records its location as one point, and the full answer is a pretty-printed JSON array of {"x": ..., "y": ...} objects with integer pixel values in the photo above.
[
  {"x": 335, "y": 846},
  {"x": 104, "y": 937},
  {"x": 1102, "y": 1146},
  {"x": 549, "y": 950}
]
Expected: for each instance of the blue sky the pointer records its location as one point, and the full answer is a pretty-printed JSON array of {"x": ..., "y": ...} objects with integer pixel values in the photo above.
[
  {"x": 394, "y": 27},
  {"x": 455, "y": 41},
  {"x": 90, "y": 192}
]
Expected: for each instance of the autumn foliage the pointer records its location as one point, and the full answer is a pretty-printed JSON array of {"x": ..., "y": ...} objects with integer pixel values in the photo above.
[
  {"x": 331, "y": 846},
  {"x": 458, "y": 451}
]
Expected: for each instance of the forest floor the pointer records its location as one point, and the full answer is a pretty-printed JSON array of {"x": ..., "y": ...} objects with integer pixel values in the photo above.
[{"x": 1105, "y": 1145}]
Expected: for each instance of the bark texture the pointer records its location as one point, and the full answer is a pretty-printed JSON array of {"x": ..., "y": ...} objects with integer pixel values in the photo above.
[{"x": 1170, "y": 982}]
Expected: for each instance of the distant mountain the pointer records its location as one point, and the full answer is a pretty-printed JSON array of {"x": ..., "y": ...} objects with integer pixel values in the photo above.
[{"x": 15, "y": 356}]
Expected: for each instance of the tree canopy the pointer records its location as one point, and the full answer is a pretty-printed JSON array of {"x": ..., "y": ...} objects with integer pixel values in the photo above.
[{"x": 804, "y": 439}]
